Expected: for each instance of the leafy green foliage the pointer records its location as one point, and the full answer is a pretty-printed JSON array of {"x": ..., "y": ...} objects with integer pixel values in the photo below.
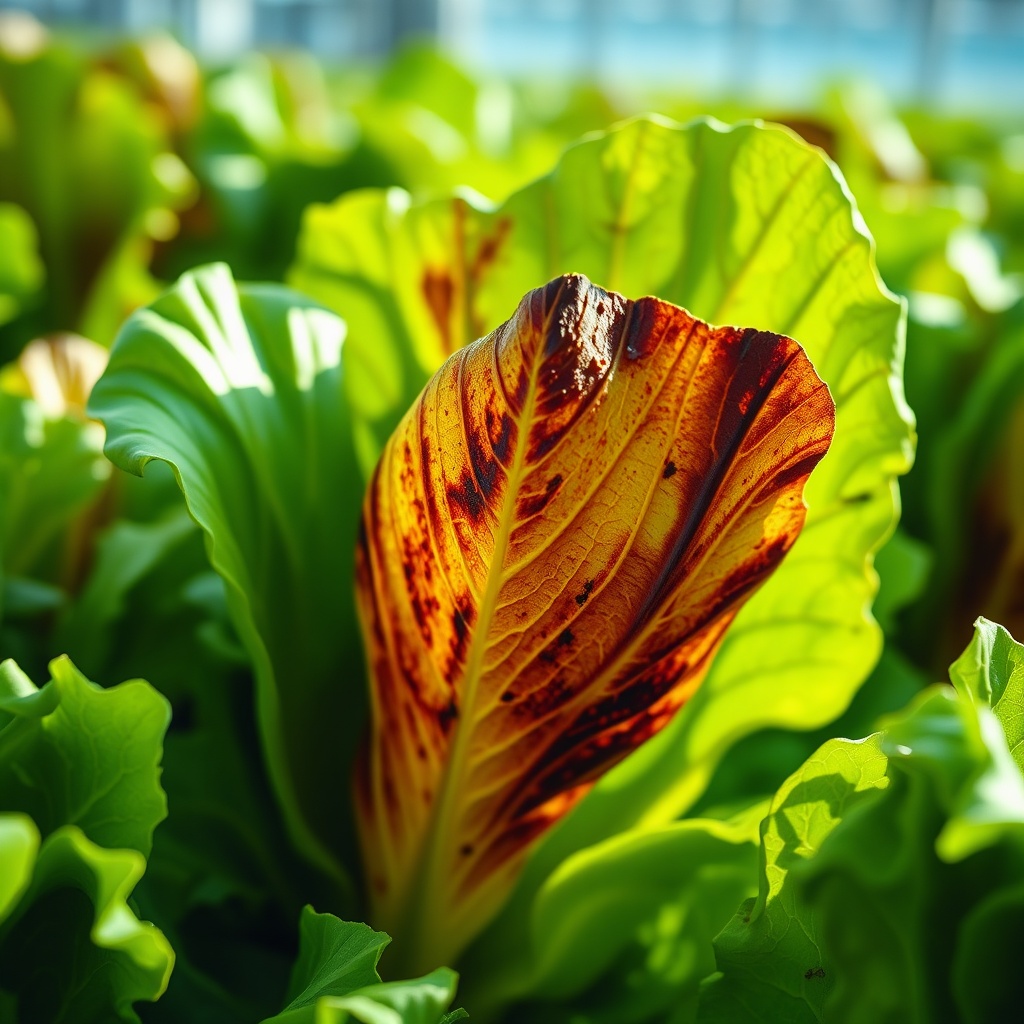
[
  {"x": 335, "y": 980},
  {"x": 238, "y": 390},
  {"x": 623, "y": 929},
  {"x": 889, "y": 885},
  {"x": 890, "y": 869},
  {"x": 416, "y": 280},
  {"x": 79, "y": 771},
  {"x": 51, "y": 470},
  {"x": 991, "y": 672},
  {"x": 72, "y": 127},
  {"x": 74, "y": 754}
]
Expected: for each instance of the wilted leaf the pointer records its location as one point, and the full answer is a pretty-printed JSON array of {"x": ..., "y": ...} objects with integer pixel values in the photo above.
[{"x": 556, "y": 538}]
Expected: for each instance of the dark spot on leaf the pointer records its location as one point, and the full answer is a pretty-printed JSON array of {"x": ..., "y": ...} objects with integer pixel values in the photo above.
[
  {"x": 534, "y": 503},
  {"x": 501, "y": 440},
  {"x": 466, "y": 849},
  {"x": 485, "y": 467},
  {"x": 670, "y": 470},
  {"x": 467, "y": 498},
  {"x": 581, "y": 597},
  {"x": 448, "y": 715},
  {"x": 565, "y": 638},
  {"x": 814, "y": 972},
  {"x": 461, "y": 626},
  {"x": 507, "y": 697},
  {"x": 641, "y": 332}
]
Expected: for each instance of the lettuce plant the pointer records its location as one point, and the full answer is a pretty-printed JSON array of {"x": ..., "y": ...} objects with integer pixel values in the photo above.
[{"x": 585, "y": 540}]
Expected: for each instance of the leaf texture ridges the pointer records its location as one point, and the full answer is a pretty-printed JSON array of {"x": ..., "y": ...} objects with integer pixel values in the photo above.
[{"x": 554, "y": 542}]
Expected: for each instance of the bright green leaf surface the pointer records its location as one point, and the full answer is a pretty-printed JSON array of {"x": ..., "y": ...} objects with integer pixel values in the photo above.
[
  {"x": 335, "y": 958},
  {"x": 745, "y": 226},
  {"x": 71, "y": 949},
  {"x": 991, "y": 671},
  {"x": 883, "y": 862},
  {"x": 622, "y": 931},
  {"x": 771, "y": 931},
  {"x": 75, "y": 754},
  {"x": 239, "y": 389},
  {"x": 19, "y": 844},
  {"x": 335, "y": 980},
  {"x": 80, "y": 797}
]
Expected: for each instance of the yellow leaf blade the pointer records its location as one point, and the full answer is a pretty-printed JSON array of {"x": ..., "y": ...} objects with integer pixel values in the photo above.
[{"x": 554, "y": 542}]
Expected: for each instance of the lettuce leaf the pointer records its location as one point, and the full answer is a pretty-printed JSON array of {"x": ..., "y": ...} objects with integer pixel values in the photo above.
[
  {"x": 622, "y": 931},
  {"x": 51, "y": 470},
  {"x": 74, "y": 128},
  {"x": 991, "y": 672},
  {"x": 75, "y": 754},
  {"x": 72, "y": 949},
  {"x": 335, "y": 980},
  {"x": 79, "y": 799},
  {"x": 239, "y": 390},
  {"x": 890, "y": 871}
]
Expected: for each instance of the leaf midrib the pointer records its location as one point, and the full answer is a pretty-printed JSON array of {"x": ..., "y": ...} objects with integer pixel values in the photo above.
[{"x": 439, "y": 830}]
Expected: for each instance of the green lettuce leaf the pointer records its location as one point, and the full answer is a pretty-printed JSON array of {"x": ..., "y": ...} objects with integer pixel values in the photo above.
[
  {"x": 890, "y": 870},
  {"x": 79, "y": 800},
  {"x": 622, "y": 931},
  {"x": 51, "y": 470},
  {"x": 71, "y": 948},
  {"x": 239, "y": 390},
  {"x": 991, "y": 672},
  {"x": 125, "y": 554},
  {"x": 335, "y": 980},
  {"x": 75, "y": 754},
  {"x": 746, "y": 225}
]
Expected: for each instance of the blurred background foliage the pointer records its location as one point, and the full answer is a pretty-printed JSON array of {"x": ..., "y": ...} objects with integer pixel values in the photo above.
[{"x": 125, "y": 160}]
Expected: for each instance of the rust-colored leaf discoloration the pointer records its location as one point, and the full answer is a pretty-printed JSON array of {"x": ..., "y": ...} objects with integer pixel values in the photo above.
[
  {"x": 557, "y": 537},
  {"x": 439, "y": 294}
]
